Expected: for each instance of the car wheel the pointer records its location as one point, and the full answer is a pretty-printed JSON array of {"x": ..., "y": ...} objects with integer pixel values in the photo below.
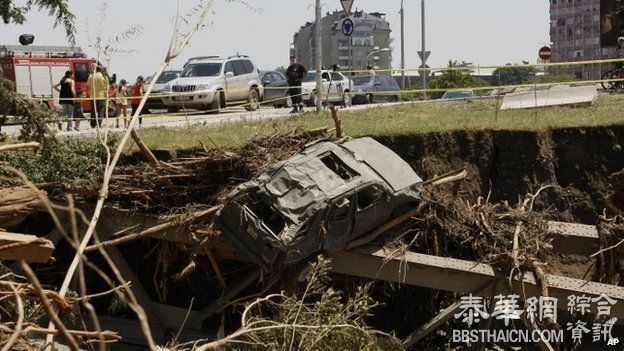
[
  {"x": 312, "y": 100},
  {"x": 370, "y": 99},
  {"x": 172, "y": 109},
  {"x": 346, "y": 100},
  {"x": 288, "y": 102},
  {"x": 253, "y": 101},
  {"x": 215, "y": 106}
]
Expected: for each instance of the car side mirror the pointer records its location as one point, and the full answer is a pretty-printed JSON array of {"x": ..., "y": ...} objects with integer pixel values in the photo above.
[
  {"x": 229, "y": 74},
  {"x": 266, "y": 82}
]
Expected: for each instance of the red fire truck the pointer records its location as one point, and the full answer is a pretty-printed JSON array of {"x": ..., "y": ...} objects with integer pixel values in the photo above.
[{"x": 35, "y": 70}]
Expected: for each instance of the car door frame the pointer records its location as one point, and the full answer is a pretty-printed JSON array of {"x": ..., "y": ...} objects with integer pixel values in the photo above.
[
  {"x": 343, "y": 225},
  {"x": 230, "y": 83},
  {"x": 282, "y": 82},
  {"x": 337, "y": 89},
  {"x": 269, "y": 94},
  {"x": 240, "y": 81},
  {"x": 378, "y": 89},
  {"x": 372, "y": 216}
]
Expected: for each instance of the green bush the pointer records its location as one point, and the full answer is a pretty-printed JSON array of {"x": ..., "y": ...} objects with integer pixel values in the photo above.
[{"x": 70, "y": 162}]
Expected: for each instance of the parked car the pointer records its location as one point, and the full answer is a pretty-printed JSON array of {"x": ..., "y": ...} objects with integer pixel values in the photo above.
[
  {"x": 318, "y": 201},
  {"x": 369, "y": 89},
  {"x": 212, "y": 83},
  {"x": 274, "y": 80},
  {"x": 464, "y": 94},
  {"x": 335, "y": 88},
  {"x": 157, "y": 102}
]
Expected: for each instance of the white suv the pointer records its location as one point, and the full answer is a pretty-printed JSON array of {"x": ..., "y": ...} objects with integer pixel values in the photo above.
[{"x": 213, "y": 82}]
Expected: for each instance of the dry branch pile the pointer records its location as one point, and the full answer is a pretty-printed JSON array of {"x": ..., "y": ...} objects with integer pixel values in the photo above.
[
  {"x": 24, "y": 303},
  {"x": 317, "y": 318},
  {"x": 508, "y": 237},
  {"x": 203, "y": 176}
]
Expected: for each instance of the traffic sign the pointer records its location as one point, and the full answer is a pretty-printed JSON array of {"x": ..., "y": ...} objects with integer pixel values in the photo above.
[
  {"x": 424, "y": 55},
  {"x": 347, "y": 27},
  {"x": 545, "y": 53},
  {"x": 347, "y": 5}
]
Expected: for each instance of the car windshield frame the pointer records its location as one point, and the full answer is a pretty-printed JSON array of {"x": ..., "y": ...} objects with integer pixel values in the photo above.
[
  {"x": 190, "y": 70},
  {"x": 356, "y": 80}
]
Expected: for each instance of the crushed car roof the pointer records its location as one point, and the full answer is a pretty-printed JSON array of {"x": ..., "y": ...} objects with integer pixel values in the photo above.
[
  {"x": 306, "y": 178},
  {"x": 388, "y": 165}
]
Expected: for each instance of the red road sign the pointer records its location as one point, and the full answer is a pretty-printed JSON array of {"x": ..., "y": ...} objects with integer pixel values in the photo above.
[
  {"x": 545, "y": 53},
  {"x": 347, "y": 5}
]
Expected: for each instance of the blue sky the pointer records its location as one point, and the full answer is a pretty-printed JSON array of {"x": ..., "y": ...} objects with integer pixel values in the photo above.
[{"x": 485, "y": 32}]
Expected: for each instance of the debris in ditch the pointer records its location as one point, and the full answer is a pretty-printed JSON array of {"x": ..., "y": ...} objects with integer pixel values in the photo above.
[{"x": 610, "y": 258}]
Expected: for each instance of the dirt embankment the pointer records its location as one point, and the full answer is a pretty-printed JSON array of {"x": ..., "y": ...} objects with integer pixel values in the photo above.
[{"x": 513, "y": 163}]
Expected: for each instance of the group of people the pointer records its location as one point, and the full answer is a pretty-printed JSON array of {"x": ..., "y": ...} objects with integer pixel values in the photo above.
[{"x": 101, "y": 88}]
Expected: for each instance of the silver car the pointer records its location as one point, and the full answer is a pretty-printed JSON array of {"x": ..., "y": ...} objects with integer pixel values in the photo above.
[
  {"x": 212, "y": 83},
  {"x": 166, "y": 77}
]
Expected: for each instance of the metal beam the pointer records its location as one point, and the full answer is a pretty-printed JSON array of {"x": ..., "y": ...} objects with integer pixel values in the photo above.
[
  {"x": 572, "y": 238},
  {"x": 441, "y": 318},
  {"x": 128, "y": 274},
  {"x": 461, "y": 276}
]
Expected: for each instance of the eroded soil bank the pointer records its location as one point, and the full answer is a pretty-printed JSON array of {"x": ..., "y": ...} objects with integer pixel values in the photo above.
[{"x": 578, "y": 161}]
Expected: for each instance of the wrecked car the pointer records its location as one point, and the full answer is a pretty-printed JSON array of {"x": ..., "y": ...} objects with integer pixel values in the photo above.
[{"x": 318, "y": 201}]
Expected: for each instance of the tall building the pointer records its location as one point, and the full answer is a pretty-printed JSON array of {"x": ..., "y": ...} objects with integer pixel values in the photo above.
[
  {"x": 372, "y": 33},
  {"x": 584, "y": 30}
]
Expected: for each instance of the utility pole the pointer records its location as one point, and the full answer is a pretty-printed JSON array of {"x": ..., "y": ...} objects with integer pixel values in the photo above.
[
  {"x": 424, "y": 50},
  {"x": 319, "y": 57},
  {"x": 402, "y": 46}
]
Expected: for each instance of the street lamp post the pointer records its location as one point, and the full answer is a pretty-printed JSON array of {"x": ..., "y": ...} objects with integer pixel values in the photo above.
[
  {"x": 319, "y": 56},
  {"x": 402, "y": 46},
  {"x": 424, "y": 51},
  {"x": 375, "y": 52}
]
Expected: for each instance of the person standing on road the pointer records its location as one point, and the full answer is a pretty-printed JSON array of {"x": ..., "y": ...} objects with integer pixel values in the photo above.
[
  {"x": 619, "y": 54},
  {"x": 295, "y": 74},
  {"x": 67, "y": 93},
  {"x": 98, "y": 88},
  {"x": 137, "y": 95},
  {"x": 122, "y": 103}
]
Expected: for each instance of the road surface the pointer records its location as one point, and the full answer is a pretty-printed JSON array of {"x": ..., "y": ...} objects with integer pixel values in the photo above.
[{"x": 162, "y": 119}]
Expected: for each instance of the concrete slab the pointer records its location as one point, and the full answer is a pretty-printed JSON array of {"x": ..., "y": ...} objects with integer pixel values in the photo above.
[{"x": 555, "y": 96}]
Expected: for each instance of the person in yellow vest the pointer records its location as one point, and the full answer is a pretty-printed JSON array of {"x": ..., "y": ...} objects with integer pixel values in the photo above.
[{"x": 98, "y": 89}]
